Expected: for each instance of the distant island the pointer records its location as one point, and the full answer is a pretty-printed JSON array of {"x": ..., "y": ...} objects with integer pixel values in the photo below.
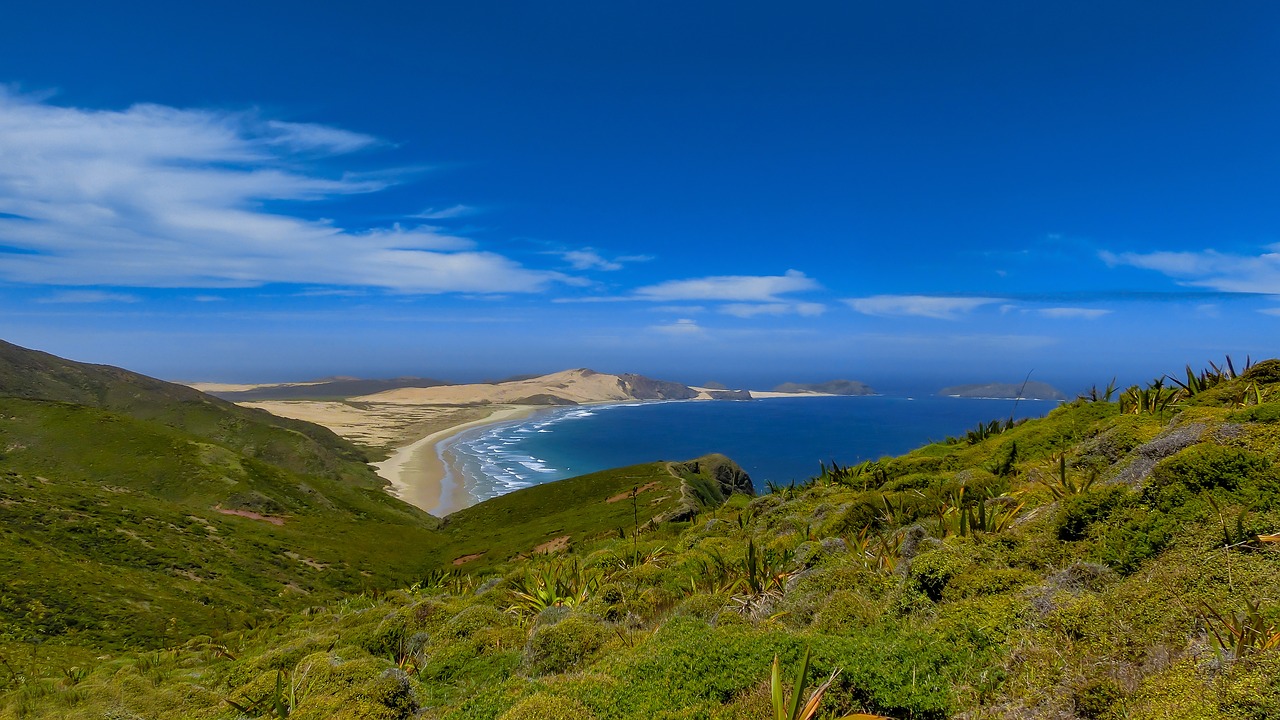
[
  {"x": 1029, "y": 391},
  {"x": 831, "y": 387}
]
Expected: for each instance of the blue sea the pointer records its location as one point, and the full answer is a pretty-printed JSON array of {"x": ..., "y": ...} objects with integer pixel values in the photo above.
[{"x": 778, "y": 440}]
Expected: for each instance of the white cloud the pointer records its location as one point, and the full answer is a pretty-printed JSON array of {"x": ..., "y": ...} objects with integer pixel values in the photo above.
[
  {"x": 448, "y": 213},
  {"x": 1270, "y": 311},
  {"x": 591, "y": 259},
  {"x": 1073, "y": 313},
  {"x": 1211, "y": 269},
  {"x": 680, "y": 309},
  {"x": 748, "y": 310},
  {"x": 735, "y": 288},
  {"x": 154, "y": 196},
  {"x": 89, "y": 296},
  {"x": 588, "y": 259},
  {"x": 683, "y": 326},
  {"x": 929, "y": 306}
]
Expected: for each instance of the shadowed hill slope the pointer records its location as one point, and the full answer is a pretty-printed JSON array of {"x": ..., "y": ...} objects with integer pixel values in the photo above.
[
  {"x": 182, "y": 513},
  {"x": 300, "y": 446}
]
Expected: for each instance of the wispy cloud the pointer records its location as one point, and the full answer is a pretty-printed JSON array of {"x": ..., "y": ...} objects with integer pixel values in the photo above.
[
  {"x": 89, "y": 296},
  {"x": 589, "y": 259},
  {"x": 928, "y": 306},
  {"x": 449, "y": 213},
  {"x": 1072, "y": 313},
  {"x": 748, "y": 310},
  {"x": 683, "y": 326},
  {"x": 154, "y": 196},
  {"x": 1225, "y": 272},
  {"x": 731, "y": 288}
]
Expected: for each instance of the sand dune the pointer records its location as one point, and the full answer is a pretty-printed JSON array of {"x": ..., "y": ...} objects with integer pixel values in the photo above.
[{"x": 573, "y": 386}]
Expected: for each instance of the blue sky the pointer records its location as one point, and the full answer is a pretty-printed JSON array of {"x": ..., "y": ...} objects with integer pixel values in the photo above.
[{"x": 903, "y": 193}]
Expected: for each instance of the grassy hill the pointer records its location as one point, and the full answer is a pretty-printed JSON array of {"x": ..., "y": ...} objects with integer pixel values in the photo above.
[
  {"x": 137, "y": 512},
  {"x": 1116, "y": 559},
  {"x": 575, "y": 511}
]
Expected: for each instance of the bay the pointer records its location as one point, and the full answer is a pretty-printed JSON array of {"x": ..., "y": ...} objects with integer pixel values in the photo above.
[{"x": 777, "y": 440}]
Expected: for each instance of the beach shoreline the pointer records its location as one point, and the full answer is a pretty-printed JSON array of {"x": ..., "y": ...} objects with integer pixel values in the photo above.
[{"x": 418, "y": 474}]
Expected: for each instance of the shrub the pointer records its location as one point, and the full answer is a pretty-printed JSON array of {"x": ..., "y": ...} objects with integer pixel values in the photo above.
[
  {"x": 1097, "y": 698},
  {"x": 846, "y": 613},
  {"x": 1133, "y": 535},
  {"x": 563, "y": 646},
  {"x": 702, "y": 606},
  {"x": 1077, "y": 513},
  {"x": 1267, "y": 371},
  {"x": 978, "y": 581},
  {"x": 544, "y": 706},
  {"x": 473, "y": 619},
  {"x": 932, "y": 570},
  {"x": 1200, "y": 468}
]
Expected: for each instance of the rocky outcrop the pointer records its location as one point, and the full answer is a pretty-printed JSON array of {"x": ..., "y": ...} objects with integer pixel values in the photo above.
[
  {"x": 831, "y": 387},
  {"x": 1028, "y": 391},
  {"x": 728, "y": 394},
  {"x": 643, "y": 388}
]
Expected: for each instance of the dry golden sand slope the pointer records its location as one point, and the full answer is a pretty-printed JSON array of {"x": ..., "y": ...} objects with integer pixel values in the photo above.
[
  {"x": 579, "y": 386},
  {"x": 376, "y": 426}
]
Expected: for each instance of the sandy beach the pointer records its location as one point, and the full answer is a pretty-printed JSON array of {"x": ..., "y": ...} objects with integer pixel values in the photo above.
[
  {"x": 417, "y": 473},
  {"x": 406, "y": 425}
]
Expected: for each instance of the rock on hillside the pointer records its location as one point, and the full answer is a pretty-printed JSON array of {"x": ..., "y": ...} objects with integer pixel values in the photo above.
[
  {"x": 1029, "y": 391},
  {"x": 643, "y": 388}
]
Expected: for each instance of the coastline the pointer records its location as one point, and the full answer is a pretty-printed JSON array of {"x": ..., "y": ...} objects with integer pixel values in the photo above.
[{"x": 417, "y": 473}]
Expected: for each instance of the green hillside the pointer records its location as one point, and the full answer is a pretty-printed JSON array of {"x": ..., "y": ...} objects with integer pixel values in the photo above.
[
  {"x": 571, "y": 512},
  {"x": 139, "y": 513},
  {"x": 1116, "y": 559}
]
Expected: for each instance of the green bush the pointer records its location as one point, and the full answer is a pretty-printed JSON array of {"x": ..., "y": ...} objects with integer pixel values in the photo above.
[
  {"x": 932, "y": 570},
  {"x": 544, "y": 706},
  {"x": 979, "y": 580},
  {"x": 1263, "y": 373},
  {"x": 702, "y": 606},
  {"x": 1200, "y": 468},
  {"x": 1077, "y": 513},
  {"x": 846, "y": 612},
  {"x": 1097, "y": 698},
  {"x": 563, "y": 646},
  {"x": 1133, "y": 535},
  {"x": 475, "y": 618}
]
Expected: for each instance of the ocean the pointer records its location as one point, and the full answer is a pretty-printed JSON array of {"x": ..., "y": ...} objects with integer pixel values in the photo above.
[{"x": 778, "y": 440}]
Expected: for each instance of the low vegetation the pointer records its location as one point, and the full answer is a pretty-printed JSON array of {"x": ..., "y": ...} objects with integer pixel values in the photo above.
[{"x": 1100, "y": 562}]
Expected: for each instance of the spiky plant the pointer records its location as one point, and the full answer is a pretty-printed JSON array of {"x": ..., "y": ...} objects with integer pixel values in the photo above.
[
  {"x": 794, "y": 708},
  {"x": 1061, "y": 484},
  {"x": 1243, "y": 633},
  {"x": 559, "y": 584}
]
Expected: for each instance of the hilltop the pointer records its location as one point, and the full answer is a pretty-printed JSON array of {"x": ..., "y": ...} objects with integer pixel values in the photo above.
[
  {"x": 568, "y": 387},
  {"x": 1030, "y": 390},
  {"x": 327, "y": 389}
]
